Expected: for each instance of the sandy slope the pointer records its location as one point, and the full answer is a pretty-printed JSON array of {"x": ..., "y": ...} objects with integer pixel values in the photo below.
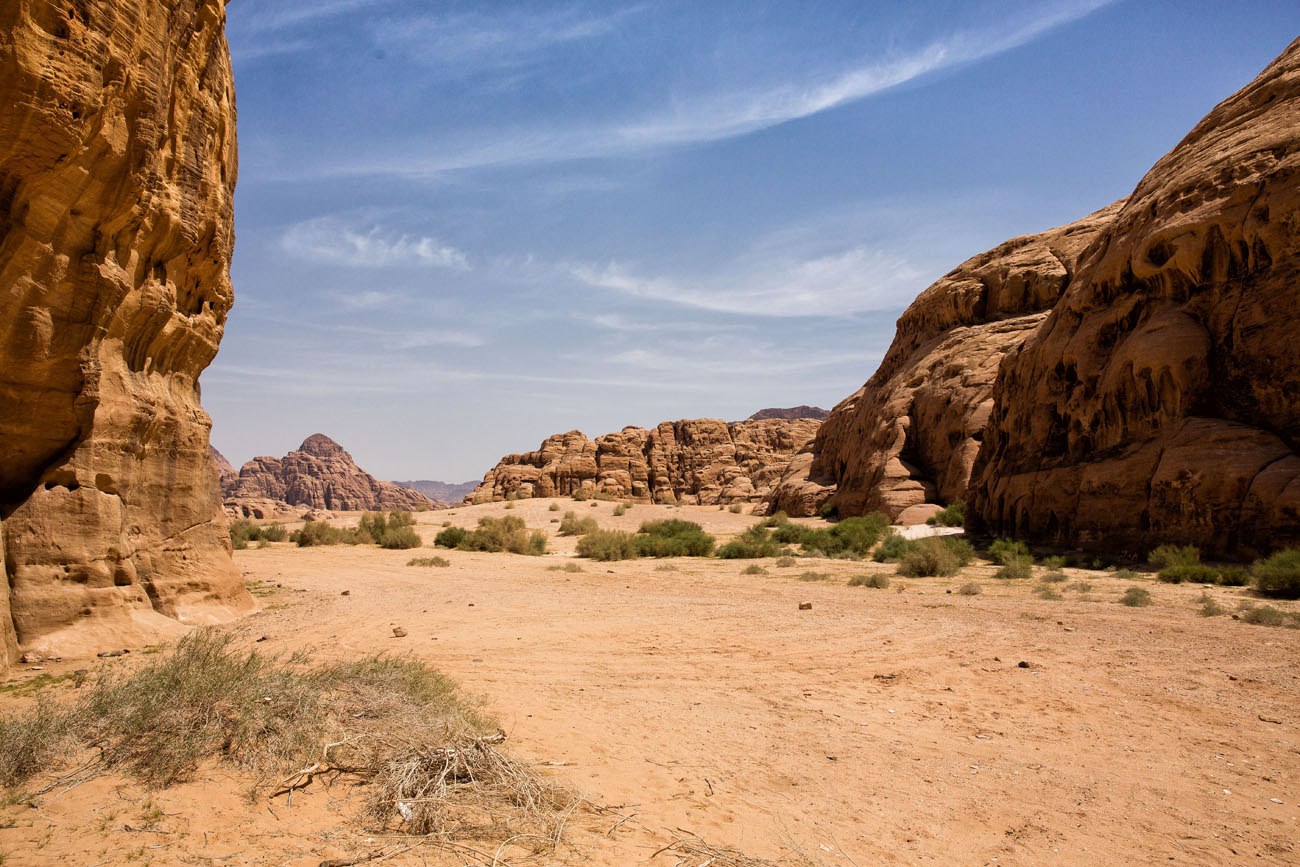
[{"x": 879, "y": 727}]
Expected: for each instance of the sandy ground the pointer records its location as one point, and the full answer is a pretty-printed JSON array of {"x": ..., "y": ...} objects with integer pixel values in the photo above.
[{"x": 907, "y": 725}]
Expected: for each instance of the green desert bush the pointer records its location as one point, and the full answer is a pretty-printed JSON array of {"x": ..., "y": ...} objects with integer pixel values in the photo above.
[
  {"x": 1017, "y": 568},
  {"x": 1003, "y": 551},
  {"x": 553, "y": 507},
  {"x": 877, "y": 582},
  {"x": 813, "y": 576},
  {"x": 1233, "y": 576},
  {"x": 1125, "y": 574},
  {"x": 1210, "y": 606},
  {"x": 752, "y": 544},
  {"x": 735, "y": 508},
  {"x": 1047, "y": 591},
  {"x": 495, "y": 535},
  {"x": 954, "y": 515},
  {"x": 608, "y": 545},
  {"x": 315, "y": 533},
  {"x": 395, "y": 530},
  {"x": 572, "y": 525},
  {"x": 1136, "y": 597},
  {"x": 620, "y": 510},
  {"x": 673, "y": 537},
  {"x": 850, "y": 537},
  {"x": 935, "y": 556},
  {"x": 788, "y": 533},
  {"x": 451, "y": 537},
  {"x": 1174, "y": 555},
  {"x": 891, "y": 549},
  {"x": 776, "y": 519},
  {"x": 244, "y": 531},
  {"x": 441, "y": 562},
  {"x": 1192, "y": 573},
  {"x": 1279, "y": 575},
  {"x": 1267, "y": 615}
]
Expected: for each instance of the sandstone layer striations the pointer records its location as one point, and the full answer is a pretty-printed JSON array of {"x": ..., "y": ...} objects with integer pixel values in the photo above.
[
  {"x": 705, "y": 461},
  {"x": 911, "y": 433},
  {"x": 319, "y": 474},
  {"x": 1160, "y": 401},
  {"x": 117, "y": 171}
]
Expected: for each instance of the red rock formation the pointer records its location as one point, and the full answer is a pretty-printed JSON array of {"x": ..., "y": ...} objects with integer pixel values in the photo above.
[
  {"x": 911, "y": 433},
  {"x": 704, "y": 461},
  {"x": 813, "y": 412},
  {"x": 320, "y": 475},
  {"x": 1160, "y": 401},
  {"x": 222, "y": 467},
  {"x": 117, "y": 171}
]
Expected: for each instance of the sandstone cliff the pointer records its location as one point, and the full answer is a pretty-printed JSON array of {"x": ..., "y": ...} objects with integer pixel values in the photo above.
[
  {"x": 117, "y": 170},
  {"x": 813, "y": 412},
  {"x": 319, "y": 475},
  {"x": 704, "y": 461},
  {"x": 1160, "y": 401},
  {"x": 441, "y": 492},
  {"x": 911, "y": 433},
  {"x": 222, "y": 467}
]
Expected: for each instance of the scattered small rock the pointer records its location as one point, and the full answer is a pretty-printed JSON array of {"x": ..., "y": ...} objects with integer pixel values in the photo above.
[
  {"x": 1023, "y": 664},
  {"x": 263, "y": 638},
  {"x": 805, "y": 606},
  {"x": 471, "y": 605},
  {"x": 1276, "y": 800},
  {"x": 105, "y": 654},
  {"x": 346, "y": 593},
  {"x": 1269, "y": 719},
  {"x": 399, "y": 632}
]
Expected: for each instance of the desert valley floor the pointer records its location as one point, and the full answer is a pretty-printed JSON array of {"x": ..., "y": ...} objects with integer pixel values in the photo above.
[{"x": 693, "y": 702}]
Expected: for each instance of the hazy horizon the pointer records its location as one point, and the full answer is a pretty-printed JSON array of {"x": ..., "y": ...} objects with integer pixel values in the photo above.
[{"x": 463, "y": 229}]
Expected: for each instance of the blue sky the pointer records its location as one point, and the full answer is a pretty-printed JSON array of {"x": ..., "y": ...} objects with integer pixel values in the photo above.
[{"x": 463, "y": 226}]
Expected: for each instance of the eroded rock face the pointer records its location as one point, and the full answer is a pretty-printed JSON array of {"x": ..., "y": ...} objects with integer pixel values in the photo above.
[
  {"x": 222, "y": 467},
  {"x": 319, "y": 475},
  {"x": 813, "y": 412},
  {"x": 703, "y": 461},
  {"x": 1160, "y": 401},
  {"x": 911, "y": 433},
  {"x": 117, "y": 171}
]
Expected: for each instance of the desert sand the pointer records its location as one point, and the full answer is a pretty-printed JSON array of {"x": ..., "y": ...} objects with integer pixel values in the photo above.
[{"x": 906, "y": 725}]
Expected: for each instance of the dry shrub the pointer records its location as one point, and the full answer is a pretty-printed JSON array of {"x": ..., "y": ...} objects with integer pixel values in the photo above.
[
  {"x": 440, "y": 562},
  {"x": 572, "y": 525},
  {"x": 399, "y": 728},
  {"x": 970, "y": 589},
  {"x": 878, "y": 582}
]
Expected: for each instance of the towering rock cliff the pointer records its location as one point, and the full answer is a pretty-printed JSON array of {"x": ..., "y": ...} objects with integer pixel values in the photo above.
[
  {"x": 117, "y": 171},
  {"x": 910, "y": 435},
  {"x": 704, "y": 461},
  {"x": 1160, "y": 401},
  {"x": 319, "y": 475},
  {"x": 1127, "y": 380}
]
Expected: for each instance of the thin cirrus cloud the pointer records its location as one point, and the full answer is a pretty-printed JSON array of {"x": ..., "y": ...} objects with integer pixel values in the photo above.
[
  {"x": 330, "y": 241},
  {"x": 723, "y": 114},
  {"x": 855, "y": 280}
]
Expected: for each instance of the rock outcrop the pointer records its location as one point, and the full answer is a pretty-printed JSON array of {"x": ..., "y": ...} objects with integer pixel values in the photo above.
[
  {"x": 911, "y": 433},
  {"x": 319, "y": 475},
  {"x": 117, "y": 172},
  {"x": 1147, "y": 374},
  {"x": 441, "y": 492},
  {"x": 704, "y": 461},
  {"x": 223, "y": 468},
  {"x": 813, "y": 412},
  {"x": 1160, "y": 401}
]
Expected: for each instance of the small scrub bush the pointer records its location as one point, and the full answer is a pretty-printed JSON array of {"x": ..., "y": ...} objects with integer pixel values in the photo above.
[
  {"x": 1054, "y": 564},
  {"x": 877, "y": 582},
  {"x": 1047, "y": 591},
  {"x": 970, "y": 589},
  {"x": 1192, "y": 573},
  {"x": 620, "y": 510},
  {"x": 785, "y": 562},
  {"x": 1080, "y": 587},
  {"x": 852, "y": 537},
  {"x": 813, "y": 576},
  {"x": 776, "y": 519},
  {"x": 1136, "y": 597},
  {"x": 440, "y": 562},
  {"x": 892, "y": 549},
  {"x": 316, "y": 533},
  {"x": 244, "y": 531},
  {"x": 935, "y": 556},
  {"x": 1017, "y": 568},
  {"x": 827, "y": 510},
  {"x": 953, "y": 515},
  {"x": 572, "y": 525},
  {"x": 1174, "y": 555},
  {"x": 673, "y": 537},
  {"x": 495, "y": 535},
  {"x": 1234, "y": 576},
  {"x": 567, "y": 567},
  {"x": 735, "y": 508},
  {"x": 450, "y": 537},
  {"x": 607, "y": 545},
  {"x": 752, "y": 544},
  {"x": 553, "y": 507},
  {"x": 1267, "y": 615},
  {"x": 753, "y": 569},
  {"x": 1003, "y": 551},
  {"x": 1279, "y": 575},
  {"x": 1210, "y": 606},
  {"x": 1055, "y": 576},
  {"x": 1125, "y": 574}
]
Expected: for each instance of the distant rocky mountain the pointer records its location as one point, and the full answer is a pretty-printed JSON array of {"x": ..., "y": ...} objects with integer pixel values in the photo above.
[
  {"x": 224, "y": 468},
  {"x": 1121, "y": 382},
  {"x": 704, "y": 461},
  {"x": 319, "y": 474},
  {"x": 813, "y": 412},
  {"x": 441, "y": 492}
]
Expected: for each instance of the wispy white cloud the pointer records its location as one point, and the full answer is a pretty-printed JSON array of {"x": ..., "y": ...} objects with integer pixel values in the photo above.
[
  {"x": 855, "y": 280},
  {"x": 268, "y": 16},
  {"x": 724, "y": 113},
  {"x": 330, "y": 240}
]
